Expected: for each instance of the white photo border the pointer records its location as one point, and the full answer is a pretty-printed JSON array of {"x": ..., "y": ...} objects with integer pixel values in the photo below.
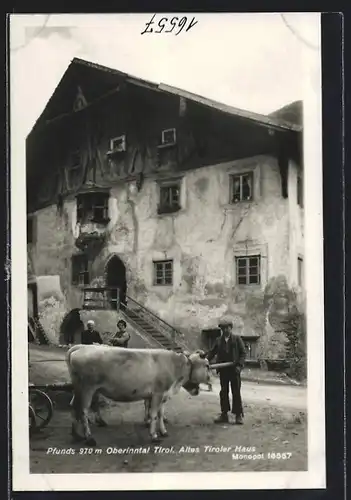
[{"x": 315, "y": 477}]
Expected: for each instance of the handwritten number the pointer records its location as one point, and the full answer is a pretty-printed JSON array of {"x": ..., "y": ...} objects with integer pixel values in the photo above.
[
  {"x": 192, "y": 23},
  {"x": 181, "y": 24},
  {"x": 162, "y": 26},
  {"x": 173, "y": 23},
  {"x": 148, "y": 25}
]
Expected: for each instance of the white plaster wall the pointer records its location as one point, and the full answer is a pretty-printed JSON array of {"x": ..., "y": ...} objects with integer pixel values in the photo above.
[{"x": 202, "y": 239}]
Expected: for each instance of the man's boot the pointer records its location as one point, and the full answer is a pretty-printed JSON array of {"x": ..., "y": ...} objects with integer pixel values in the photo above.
[
  {"x": 239, "y": 420},
  {"x": 221, "y": 419}
]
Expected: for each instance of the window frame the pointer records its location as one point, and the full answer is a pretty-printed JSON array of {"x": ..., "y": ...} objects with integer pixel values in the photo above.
[
  {"x": 84, "y": 205},
  {"x": 172, "y": 206},
  {"x": 251, "y": 347},
  {"x": 123, "y": 146},
  {"x": 247, "y": 267},
  {"x": 169, "y": 143},
  {"x": 240, "y": 176},
  {"x": 77, "y": 274},
  {"x": 163, "y": 263}
]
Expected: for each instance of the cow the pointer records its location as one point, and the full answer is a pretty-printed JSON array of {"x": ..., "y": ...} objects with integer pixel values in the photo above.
[{"x": 128, "y": 375}]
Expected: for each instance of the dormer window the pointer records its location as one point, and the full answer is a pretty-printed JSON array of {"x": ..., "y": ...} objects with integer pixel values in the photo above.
[
  {"x": 169, "y": 137},
  {"x": 118, "y": 144},
  {"x": 93, "y": 207}
]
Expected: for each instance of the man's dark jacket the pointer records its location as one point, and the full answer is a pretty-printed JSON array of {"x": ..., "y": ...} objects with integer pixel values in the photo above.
[
  {"x": 233, "y": 351},
  {"x": 91, "y": 337}
]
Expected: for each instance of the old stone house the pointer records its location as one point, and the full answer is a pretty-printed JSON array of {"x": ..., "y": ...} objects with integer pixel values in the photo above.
[{"x": 187, "y": 206}]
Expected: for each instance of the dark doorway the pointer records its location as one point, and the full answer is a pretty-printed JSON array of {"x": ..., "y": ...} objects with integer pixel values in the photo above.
[
  {"x": 71, "y": 327},
  {"x": 116, "y": 277}
]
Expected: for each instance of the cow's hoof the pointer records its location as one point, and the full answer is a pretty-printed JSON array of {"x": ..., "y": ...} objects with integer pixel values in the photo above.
[
  {"x": 164, "y": 434},
  {"x": 90, "y": 441},
  {"x": 155, "y": 439}
]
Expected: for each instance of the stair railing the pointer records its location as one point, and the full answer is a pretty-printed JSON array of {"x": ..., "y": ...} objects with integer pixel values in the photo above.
[
  {"x": 135, "y": 325},
  {"x": 153, "y": 320}
]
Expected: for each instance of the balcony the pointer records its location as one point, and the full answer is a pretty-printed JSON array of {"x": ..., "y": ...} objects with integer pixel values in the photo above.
[
  {"x": 92, "y": 217},
  {"x": 90, "y": 237}
]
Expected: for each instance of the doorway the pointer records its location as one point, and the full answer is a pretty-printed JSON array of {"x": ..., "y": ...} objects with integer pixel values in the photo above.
[{"x": 116, "y": 277}]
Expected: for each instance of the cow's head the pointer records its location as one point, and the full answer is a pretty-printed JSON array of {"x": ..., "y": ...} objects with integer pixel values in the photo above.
[{"x": 199, "y": 372}]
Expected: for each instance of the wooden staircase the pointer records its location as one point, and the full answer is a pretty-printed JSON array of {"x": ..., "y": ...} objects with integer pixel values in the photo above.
[
  {"x": 35, "y": 328},
  {"x": 142, "y": 319},
  {"x": 151, "y": 325}
]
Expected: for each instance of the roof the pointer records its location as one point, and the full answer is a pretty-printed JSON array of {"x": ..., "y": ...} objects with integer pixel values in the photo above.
[
  {"x": 292, "y": 113},
  {"x": 272, "y": 120}
]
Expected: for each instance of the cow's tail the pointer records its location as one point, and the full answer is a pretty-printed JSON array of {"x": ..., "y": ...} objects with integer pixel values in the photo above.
[{"x": 70, "y": 369}]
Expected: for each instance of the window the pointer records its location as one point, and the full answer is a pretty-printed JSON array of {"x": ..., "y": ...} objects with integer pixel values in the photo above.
[
  {"x": 299, "y": 190},
  {"x": 248, "y": 270},
  {"x": 169, "y": 198},
  {"x": 92, "y": 207},
  {"x": 118, "y": 144},
  {"x": 242, "y": 187},
  {"x": 300, "y": 277},
  {"x": 80, "y": 270},
  {"x": 163, "y": 272},
  {"x": 251, "y": 348},
  {"x": 169, "y": 136}
]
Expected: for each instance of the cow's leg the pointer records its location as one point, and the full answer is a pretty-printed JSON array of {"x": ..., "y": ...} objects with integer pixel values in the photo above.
[
  {"x": 87, "y": 396},
  {"x": 76, "y": 406},
  {"x": 156, "y": 400},
  {"x": 147, "y": 416},
  {"x": 161, "y": 419},
  {"x": 95, "y": 406}
]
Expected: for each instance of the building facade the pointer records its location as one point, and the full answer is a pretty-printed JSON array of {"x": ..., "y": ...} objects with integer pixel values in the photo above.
[{"x": 187, "y": 206}]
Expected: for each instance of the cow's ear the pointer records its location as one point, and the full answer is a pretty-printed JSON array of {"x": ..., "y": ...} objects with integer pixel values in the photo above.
[
  {"x": 202, "y": 354},
  {"x": 186, "y": 353}
]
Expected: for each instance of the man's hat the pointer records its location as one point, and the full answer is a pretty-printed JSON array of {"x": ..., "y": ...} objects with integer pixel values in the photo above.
[
  {"x": 226, "y": 321},
  {"x": 91, "y": 322}
]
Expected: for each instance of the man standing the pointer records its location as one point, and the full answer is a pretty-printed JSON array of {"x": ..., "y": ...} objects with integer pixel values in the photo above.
[
  {"x": 90, "y": 335},
  {"x": 229, "y": 347},
  {"x": 122, "y": 337}
]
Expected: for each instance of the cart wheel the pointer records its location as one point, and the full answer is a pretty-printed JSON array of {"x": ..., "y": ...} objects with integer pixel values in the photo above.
[
  {"x": 42, "y": 406},
  {"x": 32, "y": 420}
]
